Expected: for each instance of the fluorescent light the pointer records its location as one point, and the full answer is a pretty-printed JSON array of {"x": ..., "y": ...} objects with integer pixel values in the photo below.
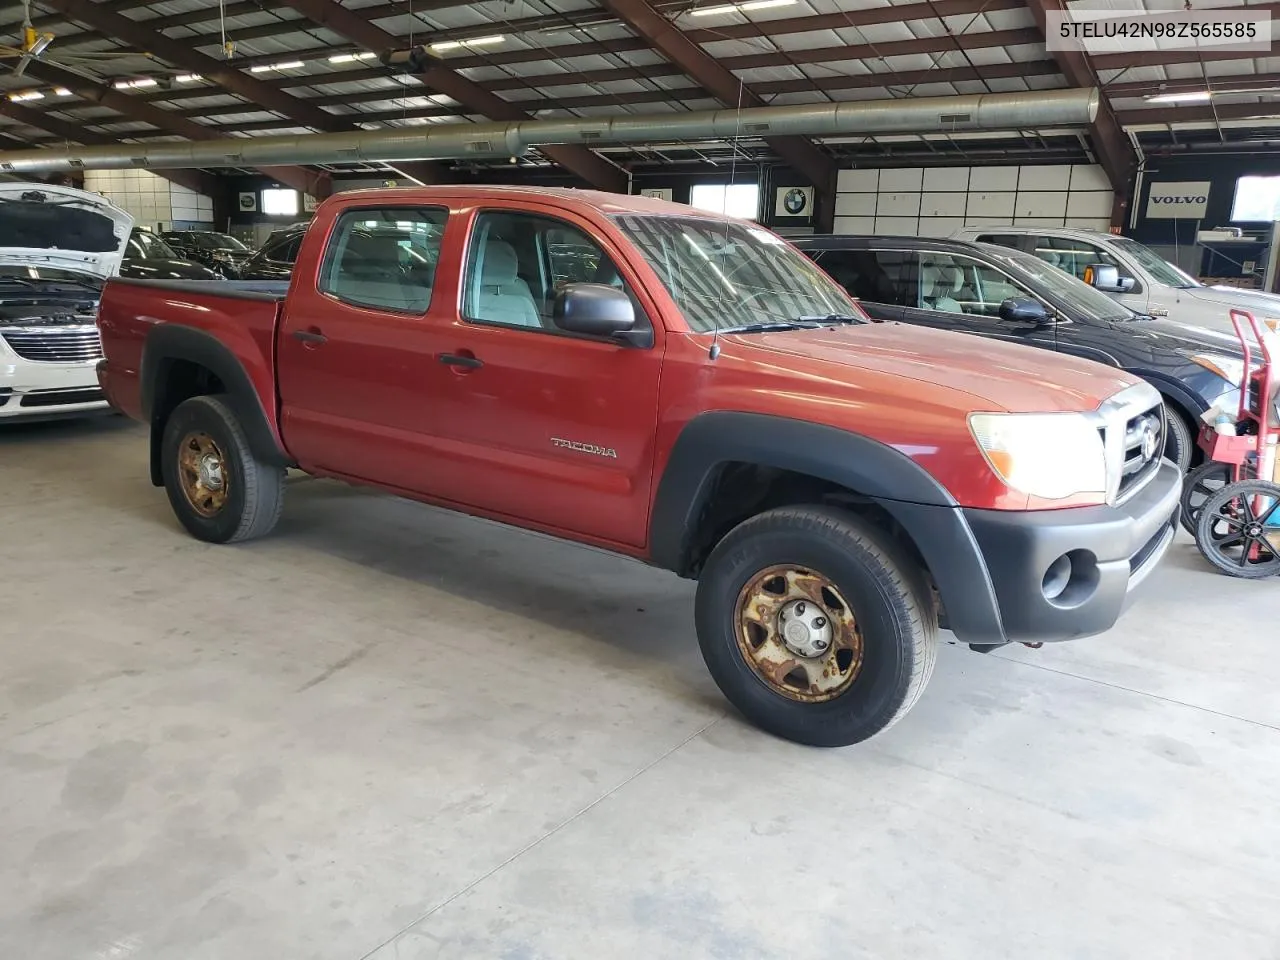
[
  {"x": 135, "y": 84},
  {"x": 1194, "y": 96},
  {"x": 61, "y": 92},
  {"x": 739, "y": 7},
  {"x": 352, "y": 57},
  {"x": 26, "y": 95},
  {"x": 477, "y": 42},
  {"x": 188, "y": 78},
  {"x": 286, "y": 65}
]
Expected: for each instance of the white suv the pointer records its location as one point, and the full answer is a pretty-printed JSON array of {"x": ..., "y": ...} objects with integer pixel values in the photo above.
[
  {"x": 1141, "y": 279},
  {"x": 58, "y": 245}
]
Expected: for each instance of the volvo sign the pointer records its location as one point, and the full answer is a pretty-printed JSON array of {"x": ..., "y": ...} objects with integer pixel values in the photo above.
[{"x": 1181, "y": 200}]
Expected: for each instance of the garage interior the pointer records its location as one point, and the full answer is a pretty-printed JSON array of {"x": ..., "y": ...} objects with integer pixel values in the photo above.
[{"x": 389, "y": 731}]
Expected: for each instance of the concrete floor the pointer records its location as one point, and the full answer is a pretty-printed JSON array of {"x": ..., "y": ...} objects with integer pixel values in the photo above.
[{"x": 389, "y": 732}]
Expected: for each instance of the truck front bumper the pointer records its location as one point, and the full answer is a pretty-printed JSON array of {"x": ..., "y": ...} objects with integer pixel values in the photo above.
[{"x": 1046, "y": 575}]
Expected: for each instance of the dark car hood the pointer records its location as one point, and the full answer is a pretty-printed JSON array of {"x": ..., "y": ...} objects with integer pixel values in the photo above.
[
  {"x": 159, "y": 268},
  {"x": 1169, "y": 335}
]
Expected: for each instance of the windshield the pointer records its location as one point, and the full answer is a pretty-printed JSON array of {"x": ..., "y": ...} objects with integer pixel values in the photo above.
[
  {"x": 147, "y": 246},
  {"x": 27, "y": 275},
  {"x": 217, "y": 241},
  {"x": 1161, "y": 270},
  {"x": 1082, "y": 301},
  {"x": 725, "y": 274}
]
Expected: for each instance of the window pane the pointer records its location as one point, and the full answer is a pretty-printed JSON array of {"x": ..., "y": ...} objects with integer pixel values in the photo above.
[
  {"x": 517, "y": 263},
  {"x": 874, "y": 276},
  {"x": 956, "y": 284},
  {"x": 1257, "y": 200},
  {"x": 280, "y": 202},
  {"x": 1001, "y": 239},
  {"x": 1073, "y": 255},
  {"x": 374, "y": 261}
]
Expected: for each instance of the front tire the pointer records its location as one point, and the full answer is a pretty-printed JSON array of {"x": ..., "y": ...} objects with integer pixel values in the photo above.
[
  {"x": 815, "y": 626},
  {"x": 1179, "y": 444},
  {"x": 218, "y": 489}
]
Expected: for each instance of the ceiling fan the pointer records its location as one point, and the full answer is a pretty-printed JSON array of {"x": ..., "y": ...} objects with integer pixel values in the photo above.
[{"x": 35, "y": 45}]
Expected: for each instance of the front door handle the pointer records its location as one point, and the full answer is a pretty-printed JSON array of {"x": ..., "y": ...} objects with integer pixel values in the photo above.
[
  {"x": 460, "y": 360},
  {"x": 310, "y": 336}
]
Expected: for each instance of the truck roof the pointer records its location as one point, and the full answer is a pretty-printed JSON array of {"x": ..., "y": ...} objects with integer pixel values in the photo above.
[{"x": 564, "y": 197}]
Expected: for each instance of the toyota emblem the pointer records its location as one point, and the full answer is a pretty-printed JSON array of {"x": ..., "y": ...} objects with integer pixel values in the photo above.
[{"x": 1150, "y": 441}]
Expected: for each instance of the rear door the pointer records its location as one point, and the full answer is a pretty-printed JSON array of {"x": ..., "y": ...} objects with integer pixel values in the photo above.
[
  {"x": 877, "y": 279},
  {"x": 356, "y": 371},
  {"x": 533, "y": 423}
]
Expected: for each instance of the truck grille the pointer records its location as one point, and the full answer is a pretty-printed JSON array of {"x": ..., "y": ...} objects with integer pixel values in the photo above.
[
  {"x": 74, "y": 344},
  {"x": 1132, "y": 428}
]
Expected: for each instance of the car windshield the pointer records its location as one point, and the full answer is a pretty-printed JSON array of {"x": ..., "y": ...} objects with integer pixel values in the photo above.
[
  {"x": 147, "y": 246},
  {"x": 22, "y": 275},
  {"x": 723, "y": 274},
  {"x": 1082, "y": 301},
  {"x": 218, "y": 241},
  {"x": 1160, "y": 269}
]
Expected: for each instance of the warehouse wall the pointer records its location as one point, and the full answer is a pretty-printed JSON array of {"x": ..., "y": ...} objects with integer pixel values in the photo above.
[
  {"x": 934, "y": 201},
  {"x": 151, "y": 199}
]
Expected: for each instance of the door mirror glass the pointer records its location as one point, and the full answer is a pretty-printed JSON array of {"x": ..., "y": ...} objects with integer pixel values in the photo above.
[
  {"x": 1023, "y": 310},
  {"x": 1106, "y": 278},
  {"x": 594, "y": 309}
]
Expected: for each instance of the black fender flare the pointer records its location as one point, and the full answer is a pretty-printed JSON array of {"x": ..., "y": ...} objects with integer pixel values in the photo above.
[
  {"x": 924, "y": 508},
  {"x": 167, "y": 343}
]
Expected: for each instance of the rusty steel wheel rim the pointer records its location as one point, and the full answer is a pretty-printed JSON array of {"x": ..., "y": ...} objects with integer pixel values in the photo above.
[
  {"x": 202, "y": 469},
  {"x": 798, "y": 633}
]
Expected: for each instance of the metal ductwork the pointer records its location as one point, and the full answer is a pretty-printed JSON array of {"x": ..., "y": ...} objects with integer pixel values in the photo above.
[{"x": 992, "y": 112}]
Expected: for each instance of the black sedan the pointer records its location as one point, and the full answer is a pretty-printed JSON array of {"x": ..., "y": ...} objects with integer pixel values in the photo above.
[
  {"x": 1009, "y": 295},
  {"x": 147, "y": 257},
  {"x": 274, "y": 259},
  {"x": 220, "y": 252}
]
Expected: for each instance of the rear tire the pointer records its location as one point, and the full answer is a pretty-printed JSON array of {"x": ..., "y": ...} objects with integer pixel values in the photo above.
[
  {"x": 219, "y": 490},
  {"x": 822, "y": 582}
]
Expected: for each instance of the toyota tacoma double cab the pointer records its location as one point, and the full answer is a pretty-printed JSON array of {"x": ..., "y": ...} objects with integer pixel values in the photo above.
[{"x": 679, "y": 387}]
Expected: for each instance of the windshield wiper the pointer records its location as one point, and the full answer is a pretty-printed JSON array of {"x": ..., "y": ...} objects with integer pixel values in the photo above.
[
  {"x": 23, "y": 281},
  {"x": 832, "y": 318},
  {"x": 770, "y": 326}
]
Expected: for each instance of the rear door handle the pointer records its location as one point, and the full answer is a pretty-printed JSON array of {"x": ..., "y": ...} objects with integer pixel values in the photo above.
[
  {"x": 457, "y": 360},
  {"x": 310, "y": 336}
]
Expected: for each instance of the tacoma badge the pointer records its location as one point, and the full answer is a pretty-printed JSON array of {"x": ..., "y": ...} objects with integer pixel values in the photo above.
[{"x": 585, "y": 448}]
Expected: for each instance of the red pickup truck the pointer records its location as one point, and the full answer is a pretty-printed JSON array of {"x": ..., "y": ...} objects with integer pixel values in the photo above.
[{"x": 679, "y": 387}]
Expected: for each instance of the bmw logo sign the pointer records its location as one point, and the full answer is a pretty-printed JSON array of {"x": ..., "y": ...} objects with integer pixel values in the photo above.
[{"x": 795, "y": 201}]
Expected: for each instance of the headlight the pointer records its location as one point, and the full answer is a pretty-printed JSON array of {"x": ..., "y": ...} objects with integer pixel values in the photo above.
[
  {"x": 1230, "y": 369},
  {"x": 1047, "y": 455}
]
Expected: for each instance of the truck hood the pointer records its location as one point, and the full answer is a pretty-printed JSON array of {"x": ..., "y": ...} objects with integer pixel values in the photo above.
[
  {"x": 997, "y": 375},
  {"x": 48, "y": 226},
  {"x": 1255, "y": 301}
]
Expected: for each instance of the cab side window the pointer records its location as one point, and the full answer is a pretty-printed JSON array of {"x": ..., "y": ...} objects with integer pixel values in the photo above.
[
  {"x": 876, "y": 276},
  {"x": 951, "y": 283},
  {"x": 1012, "y": 240},
  {"x": 284, "y": 251},
  {"x": 384, "y": 258},
  {"x": 518, "y": 262}
]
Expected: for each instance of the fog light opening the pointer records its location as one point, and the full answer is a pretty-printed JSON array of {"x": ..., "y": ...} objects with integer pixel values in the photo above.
[{"x": 1071, "y": 579}]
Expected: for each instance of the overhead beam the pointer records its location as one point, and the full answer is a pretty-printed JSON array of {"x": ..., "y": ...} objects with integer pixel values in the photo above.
[
  {"x": 225, "y": 73},
  {"x": 591, "y": 167},
  {"x": 316, "y": 183},
  {"x": 1249, "y": 83},
  {"x": 1198, "y": 113},
  {"x": 800, "y": 153},
  {"x": 1114, "y": 151},
  {"x": 196, "y": 180}
]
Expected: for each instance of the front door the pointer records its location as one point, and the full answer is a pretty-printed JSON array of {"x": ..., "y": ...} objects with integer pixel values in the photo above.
[
  {"x": 533, "y": 423},
  {"x": 872, "y": 277}
]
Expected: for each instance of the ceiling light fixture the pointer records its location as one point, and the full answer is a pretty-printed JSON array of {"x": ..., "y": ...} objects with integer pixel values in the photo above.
[
  {"x": 26, "y": 95},
  {"x": 1193, "y": 96},
  {"x": 286, "y": 65},
  {"x": 139, "y": 84},
  {"x": 188, "y": 78},
  {"x": 477, "y": 42},
  {"x": 739, "y": 7},
  {"x": 61, "y": 92},
  {"x": 352, "y": 57}
]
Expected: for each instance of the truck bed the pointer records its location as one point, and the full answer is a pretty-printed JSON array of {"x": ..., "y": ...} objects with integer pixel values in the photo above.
[{"x": 236, "y": 289}]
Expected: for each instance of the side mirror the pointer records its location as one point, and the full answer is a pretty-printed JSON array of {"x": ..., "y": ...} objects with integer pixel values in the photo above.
[
  {"x": 1106, "y": 277},
  {"x": 1024, "y": 310},
  {"x": 594, "y": 309}
]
